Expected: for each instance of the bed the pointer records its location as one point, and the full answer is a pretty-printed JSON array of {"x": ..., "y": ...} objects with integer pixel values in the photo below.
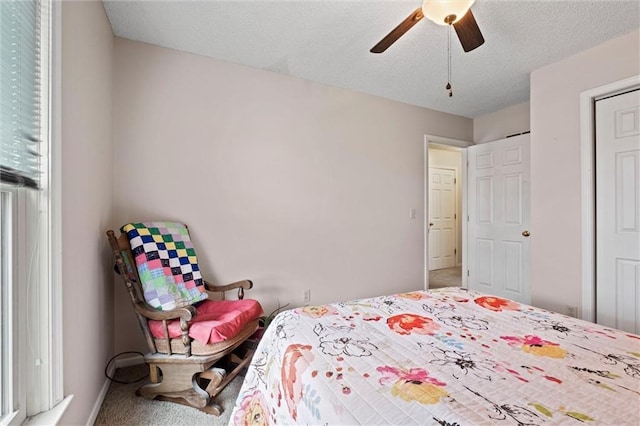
[{"x": 447, "y": 356}]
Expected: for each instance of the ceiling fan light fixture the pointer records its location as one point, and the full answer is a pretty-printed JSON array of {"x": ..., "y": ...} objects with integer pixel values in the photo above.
[{"x": 446, "y": 12}]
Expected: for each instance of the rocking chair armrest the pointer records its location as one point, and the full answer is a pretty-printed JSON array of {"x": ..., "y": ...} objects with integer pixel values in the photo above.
[
  {"x": 185, "y": 313},
  {"x": 240, "y": 285}
]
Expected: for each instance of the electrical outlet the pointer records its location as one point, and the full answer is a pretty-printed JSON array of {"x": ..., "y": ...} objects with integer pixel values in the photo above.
[
  {"x": 572, "y": 311},
  {"x": 412, "y": 213},
  {"x": 307, "y": 295}
]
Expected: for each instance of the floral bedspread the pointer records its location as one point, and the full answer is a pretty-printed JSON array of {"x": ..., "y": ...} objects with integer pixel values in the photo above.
[{"x": 448, "y": 357}]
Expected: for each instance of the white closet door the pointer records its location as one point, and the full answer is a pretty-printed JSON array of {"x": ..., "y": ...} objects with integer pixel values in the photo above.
[
  {"x": 498, "y": 227},
  {"x": 442, "y": 220},
  {"x": 618, "y": 212}
]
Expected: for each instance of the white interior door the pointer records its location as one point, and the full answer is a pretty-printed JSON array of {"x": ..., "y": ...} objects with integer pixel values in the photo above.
[
  {"x": 442, "y": 218},
  {"x": 618, "y": 212},
  {"x": 498, "y": 218}
]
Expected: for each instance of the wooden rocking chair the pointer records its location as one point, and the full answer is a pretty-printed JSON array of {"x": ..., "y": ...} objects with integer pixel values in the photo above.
[{"x": 188, "y": 372}]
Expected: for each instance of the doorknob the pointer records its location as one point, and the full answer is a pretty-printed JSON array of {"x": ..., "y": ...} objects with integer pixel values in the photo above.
[
  {"x": 525, "y": 233},
  {"x": 430, "y": 223}
]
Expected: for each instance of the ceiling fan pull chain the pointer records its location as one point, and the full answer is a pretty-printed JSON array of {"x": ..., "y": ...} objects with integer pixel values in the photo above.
[{"x": 448, "y": 86}]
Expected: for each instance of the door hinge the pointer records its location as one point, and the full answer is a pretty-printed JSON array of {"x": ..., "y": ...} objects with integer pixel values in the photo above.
[
  {"x": 455, "y": 180},
  {"x": 455, "y": 251},
  {"x": 455, "y": 216},
  {"x": 467, "y": 218},
  {"x": 467, "y": 272}
]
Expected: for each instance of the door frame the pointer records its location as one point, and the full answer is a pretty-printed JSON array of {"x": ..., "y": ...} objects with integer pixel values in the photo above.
[
  {"x": 587, "y": 152},
  {"x": 458, "y": 143}
]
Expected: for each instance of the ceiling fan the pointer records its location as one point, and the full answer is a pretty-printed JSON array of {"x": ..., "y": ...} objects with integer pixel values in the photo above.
[{"x": 442, "y": 12}]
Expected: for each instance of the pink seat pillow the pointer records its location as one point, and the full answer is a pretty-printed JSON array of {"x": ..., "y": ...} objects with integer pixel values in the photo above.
[{"x": 216, "y": 321}]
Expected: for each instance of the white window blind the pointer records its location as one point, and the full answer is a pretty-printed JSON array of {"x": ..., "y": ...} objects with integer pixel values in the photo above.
[{"x": 20, "y": 107}]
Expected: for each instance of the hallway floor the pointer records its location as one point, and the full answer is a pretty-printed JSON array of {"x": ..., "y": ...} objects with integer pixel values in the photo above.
[{"x": 447, "y": 277}]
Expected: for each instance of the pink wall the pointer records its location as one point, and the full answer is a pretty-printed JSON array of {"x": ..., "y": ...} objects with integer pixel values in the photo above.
[
  {"x": 498, "y": 124},
  {"x": 87, "y": 191},
  {"x": 555, "y": 164},
  {"x": 293, "y": 184}
]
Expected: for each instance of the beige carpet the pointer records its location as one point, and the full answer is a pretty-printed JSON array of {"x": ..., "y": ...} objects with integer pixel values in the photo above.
[
  {"x": 447, "y": 277},
  {"x": 122, "y": 407}
]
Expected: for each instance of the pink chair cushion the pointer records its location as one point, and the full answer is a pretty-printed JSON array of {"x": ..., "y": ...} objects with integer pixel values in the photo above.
[{"x": 216, "y": 321}]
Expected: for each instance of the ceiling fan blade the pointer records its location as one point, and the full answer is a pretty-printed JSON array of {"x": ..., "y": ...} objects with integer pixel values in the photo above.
[
  {"x": 398, "y": 31},
  {"x": 469, "y": 32}
]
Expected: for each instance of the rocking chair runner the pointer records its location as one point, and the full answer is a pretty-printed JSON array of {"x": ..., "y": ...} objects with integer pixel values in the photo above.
[{"x": 189, "y": 376}]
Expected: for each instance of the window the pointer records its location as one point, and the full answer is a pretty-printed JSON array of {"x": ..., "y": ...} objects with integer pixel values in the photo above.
[
  {"x": 30, "y": 356},
  {"x": 6, "y": 329}
]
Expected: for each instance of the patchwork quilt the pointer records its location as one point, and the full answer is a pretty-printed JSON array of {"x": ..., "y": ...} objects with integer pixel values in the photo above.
[
  {"x": 167, "y": 264},
  {"x": 444, "y": 357}
]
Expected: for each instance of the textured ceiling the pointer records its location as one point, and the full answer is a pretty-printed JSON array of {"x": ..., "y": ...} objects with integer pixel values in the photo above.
[{"x": 329, "y": 42}]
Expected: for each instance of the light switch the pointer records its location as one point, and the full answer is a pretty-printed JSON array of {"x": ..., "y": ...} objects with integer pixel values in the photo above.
[{"x": 412, "y": 213}]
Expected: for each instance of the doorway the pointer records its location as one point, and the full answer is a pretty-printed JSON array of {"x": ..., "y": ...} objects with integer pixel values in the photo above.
[{"x": 444, "y": 213}]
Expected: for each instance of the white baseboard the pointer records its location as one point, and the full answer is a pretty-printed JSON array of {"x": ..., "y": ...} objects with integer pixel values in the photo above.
[
  {"x": 129, "y": 361},
  {"x": 118, "y": 363},
  {"x": 101, "y": 395}
]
